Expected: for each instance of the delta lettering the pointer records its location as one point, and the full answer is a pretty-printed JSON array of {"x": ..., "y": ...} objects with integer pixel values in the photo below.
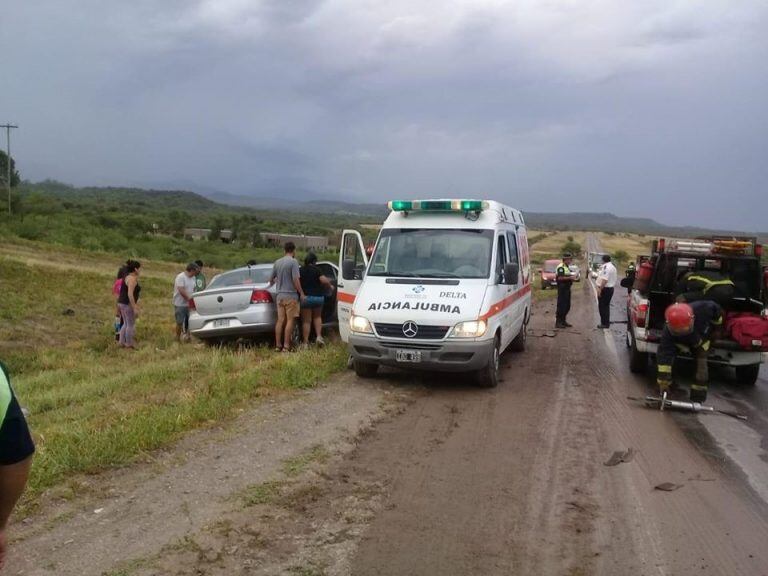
[{"x": 426, "y": 306}]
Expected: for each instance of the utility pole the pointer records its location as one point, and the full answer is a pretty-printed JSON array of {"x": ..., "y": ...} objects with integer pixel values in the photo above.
[{"x": 8, "y": 163}]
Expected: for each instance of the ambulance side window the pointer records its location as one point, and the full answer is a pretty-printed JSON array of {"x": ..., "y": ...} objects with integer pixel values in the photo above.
[
  {"x": 381, "y": 256},
  {"x": 512, "y": 243},
  {"x": 501, "y": 259}
]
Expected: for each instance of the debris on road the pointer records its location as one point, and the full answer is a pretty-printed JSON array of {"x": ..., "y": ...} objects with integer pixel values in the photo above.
[
  {"x": 667, "y": 487},
  {"x": 620, "y": 457}
]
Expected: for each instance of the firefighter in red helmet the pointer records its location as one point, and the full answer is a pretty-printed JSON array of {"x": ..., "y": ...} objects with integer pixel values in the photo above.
[{"x": 688, "y": 329}]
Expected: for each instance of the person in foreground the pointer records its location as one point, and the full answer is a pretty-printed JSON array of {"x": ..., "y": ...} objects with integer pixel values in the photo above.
[
  {"x": 289, "y": 293},
  {"x": 315, "y": 286},
  {"x": 128, "y": 302},
  {"x": 16, "y": 449},
  {"x": 688, "y": 328}
]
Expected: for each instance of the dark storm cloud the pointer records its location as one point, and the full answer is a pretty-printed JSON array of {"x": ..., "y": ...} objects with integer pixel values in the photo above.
[{"x": 644, "y": 108}]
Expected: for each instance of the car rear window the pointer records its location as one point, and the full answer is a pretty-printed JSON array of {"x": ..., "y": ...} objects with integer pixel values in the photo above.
[{"x": 244, "y": 277}]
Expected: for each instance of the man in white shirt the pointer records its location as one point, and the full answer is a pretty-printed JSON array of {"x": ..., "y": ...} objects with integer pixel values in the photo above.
[
  {"x": 606, "y": 282},
  {"x": 183, "y": 288}
]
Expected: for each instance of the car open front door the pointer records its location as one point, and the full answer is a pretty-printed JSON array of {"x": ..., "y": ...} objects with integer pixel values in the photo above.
[{"x": 352, "y": 264}]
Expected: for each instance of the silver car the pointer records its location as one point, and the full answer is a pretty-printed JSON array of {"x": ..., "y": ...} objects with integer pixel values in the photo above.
[{"x": 240, "y": 303}]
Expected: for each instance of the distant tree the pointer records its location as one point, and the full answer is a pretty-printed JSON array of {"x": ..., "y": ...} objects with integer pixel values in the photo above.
[
  {"x": 621, "y": 256},
  {"x": 15, "y": 178},
  {"x": 177, "y": 221},
  {"x": 572, "y": 247}
]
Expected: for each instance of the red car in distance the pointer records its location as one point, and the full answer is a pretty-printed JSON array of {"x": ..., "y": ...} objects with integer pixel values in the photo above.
[{"x": 547, "y": 274}]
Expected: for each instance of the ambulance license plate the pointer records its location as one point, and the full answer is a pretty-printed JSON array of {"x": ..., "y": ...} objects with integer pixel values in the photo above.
[
  {"x": 412, "y": 356},
  {"x": 224, "y": 323}
]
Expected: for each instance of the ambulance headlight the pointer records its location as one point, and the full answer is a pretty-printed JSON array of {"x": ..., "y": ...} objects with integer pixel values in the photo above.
[
  {"x": 472, "y": 329},
  {"x": 360, "y": 324}
]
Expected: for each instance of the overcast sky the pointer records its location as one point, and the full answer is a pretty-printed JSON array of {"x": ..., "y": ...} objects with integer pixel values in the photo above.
[{"x": 652, "y": 108}]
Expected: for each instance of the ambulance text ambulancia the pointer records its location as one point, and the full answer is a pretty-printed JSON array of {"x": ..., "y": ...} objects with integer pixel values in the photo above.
[{"x": 448, "y": 288}]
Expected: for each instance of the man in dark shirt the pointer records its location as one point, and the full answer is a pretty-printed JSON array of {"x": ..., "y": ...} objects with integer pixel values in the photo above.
[
  {"x": 564, "y": 279},
  {"x": 16, "y": 449}
]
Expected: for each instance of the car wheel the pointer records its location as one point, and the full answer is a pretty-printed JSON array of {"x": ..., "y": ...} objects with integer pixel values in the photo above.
[
  {"x": 638, "y": 361},
  {"x": 488, "y": 377},
  {"x": 543, "y": 285},
  {"x": 365, "y": 369},
  {"x": 748, "y": 375},
  {"x": 518, "y": 344}
]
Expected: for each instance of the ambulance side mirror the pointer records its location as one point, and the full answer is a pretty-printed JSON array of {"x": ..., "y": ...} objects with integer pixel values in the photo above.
[{"x": 511, "y": 272}]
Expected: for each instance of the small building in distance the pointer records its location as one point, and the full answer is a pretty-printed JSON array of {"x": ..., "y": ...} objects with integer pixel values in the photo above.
[
  {"x": 225, "y": 235},
  {"x": 301, "y": 241},
  {"x": 197, "y": 233}
]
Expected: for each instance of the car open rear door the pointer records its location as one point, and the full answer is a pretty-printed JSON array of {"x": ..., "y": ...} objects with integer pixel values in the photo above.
[{"x": 352, "y": 264}]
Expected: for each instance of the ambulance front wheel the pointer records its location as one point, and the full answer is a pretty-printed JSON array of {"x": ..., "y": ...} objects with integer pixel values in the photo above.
[
  {"x": 365, "y": 369},
  {"x": 488, "y": 377}
]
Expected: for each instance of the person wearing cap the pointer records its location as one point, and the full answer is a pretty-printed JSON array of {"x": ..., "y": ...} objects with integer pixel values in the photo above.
[
  {"x": 564, "y": 279},
  {"x": 16, "y": 450},
  {"x": 687, "y": 328},
  {"x": 183, "y": 289}
]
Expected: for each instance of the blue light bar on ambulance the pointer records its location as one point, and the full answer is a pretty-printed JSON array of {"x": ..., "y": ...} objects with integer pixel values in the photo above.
[{"x": 437, "y": 205}]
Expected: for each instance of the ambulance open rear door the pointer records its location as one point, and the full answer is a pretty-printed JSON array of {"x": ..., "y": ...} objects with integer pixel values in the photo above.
[{"x": 353, "y": 262}]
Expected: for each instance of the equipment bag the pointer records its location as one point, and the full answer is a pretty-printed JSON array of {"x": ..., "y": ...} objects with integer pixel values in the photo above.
[{"x": 749, "y": 330}]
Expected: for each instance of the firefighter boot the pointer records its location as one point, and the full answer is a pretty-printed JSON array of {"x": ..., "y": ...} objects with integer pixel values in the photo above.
[
  {"x": 698, "y": 393},
  {"x": 702, "y": 370}
]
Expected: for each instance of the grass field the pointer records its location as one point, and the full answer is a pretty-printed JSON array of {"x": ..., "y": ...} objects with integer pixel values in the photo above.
[
  {"x": 632, "y": 244},
  {"x": 551, "y": 245},
  {"x": 93, "y": 406}
]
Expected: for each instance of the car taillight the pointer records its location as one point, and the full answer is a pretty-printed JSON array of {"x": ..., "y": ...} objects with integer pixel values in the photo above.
[
  {"x": 191, "y": 303},
  {"x": 662, "y": 244},
  {"x": 759, "y": 250},
  {"x": 261, "y": 297},
  {"x": 641, "y": 314}
]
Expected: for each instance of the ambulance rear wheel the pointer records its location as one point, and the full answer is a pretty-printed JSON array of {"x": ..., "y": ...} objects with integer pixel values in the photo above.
[
  {"x": 365, "y": 369},
  {"x": 747, "y": 375},
  {"x": 488, "y": 377}
]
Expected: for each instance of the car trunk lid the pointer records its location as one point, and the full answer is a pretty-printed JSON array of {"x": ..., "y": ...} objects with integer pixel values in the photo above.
[{"x": 230, "y": 300}]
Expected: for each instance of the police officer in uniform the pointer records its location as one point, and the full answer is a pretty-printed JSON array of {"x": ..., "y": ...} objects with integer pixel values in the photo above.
[
  {"x": 564, "y": 279},
  {"x": 16, "y": 449},
  {"x": 688, "y": 328}
]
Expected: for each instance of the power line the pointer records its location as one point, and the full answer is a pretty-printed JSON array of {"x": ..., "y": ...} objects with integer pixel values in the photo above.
[{"x": 8, "y": 160}]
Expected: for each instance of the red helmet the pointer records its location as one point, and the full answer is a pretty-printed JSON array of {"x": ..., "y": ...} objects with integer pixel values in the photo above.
[{"x": 679, "y": 319}]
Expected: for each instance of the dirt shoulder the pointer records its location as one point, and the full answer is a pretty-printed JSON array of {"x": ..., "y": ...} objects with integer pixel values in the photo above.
[{"x": 127, "y": 518}]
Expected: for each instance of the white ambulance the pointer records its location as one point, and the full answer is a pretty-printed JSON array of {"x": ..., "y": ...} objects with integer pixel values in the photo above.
[{"x": 447, "y": 288}]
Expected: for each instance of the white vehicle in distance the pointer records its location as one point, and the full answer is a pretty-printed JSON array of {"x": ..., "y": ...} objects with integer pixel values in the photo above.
[{"x": 448, "y": 288}]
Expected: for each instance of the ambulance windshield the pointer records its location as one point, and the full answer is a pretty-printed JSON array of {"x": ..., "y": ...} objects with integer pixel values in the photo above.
[{"x": 433, "y": 253}]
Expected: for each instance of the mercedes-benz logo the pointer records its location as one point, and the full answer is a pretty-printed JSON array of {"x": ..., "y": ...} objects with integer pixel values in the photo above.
[{"x": 410, "y": 329}]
